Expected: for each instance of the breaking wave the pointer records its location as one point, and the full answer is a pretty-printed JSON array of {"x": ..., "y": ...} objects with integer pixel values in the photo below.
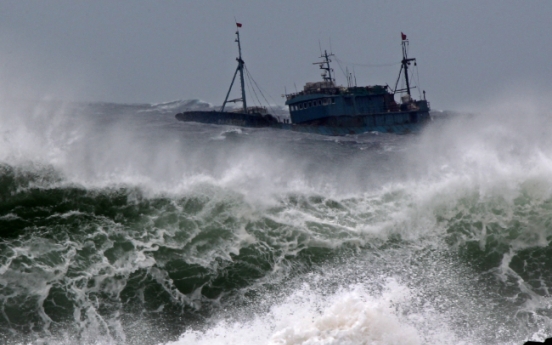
[{"x": 121, "y": 225}]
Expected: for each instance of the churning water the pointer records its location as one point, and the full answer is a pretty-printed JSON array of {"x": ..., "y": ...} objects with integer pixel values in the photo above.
[{"x": 121, "y": 225}]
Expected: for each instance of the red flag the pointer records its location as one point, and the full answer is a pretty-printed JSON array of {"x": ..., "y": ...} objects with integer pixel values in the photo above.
[
  {"x": 403, "y": 36},
  {"x": 238, "y": 25}
]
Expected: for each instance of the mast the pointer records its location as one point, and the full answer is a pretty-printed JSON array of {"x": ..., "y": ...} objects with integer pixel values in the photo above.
[
  {"x": 406, "y": 61},
  {"x": 240, "y": 67},
  {"x": 404, "y": 65},
  {"x": 325, "y": 65}
]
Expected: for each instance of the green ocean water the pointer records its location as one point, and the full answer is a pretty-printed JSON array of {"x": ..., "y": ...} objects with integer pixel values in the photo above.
[{"x": 120, "y": 225}]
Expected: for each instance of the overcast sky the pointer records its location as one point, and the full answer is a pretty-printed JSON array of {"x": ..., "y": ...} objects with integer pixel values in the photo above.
[{"x": 156, "y": 51}]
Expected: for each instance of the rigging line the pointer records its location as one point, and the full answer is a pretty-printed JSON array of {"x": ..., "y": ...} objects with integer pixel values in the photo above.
[
  {"x": 412, "y": 78},
  {"x": 341, "y": 68},
  {"x": 398, "y": 80},
  {"x": 254, "y": 84},
  {"x": 418, "y": 82},
  {"x": 261, "y": 92},
  {"x": 366, "y": 65},
  {"x": 258, "y": 87},
  {"x": 251, "y": 88}
]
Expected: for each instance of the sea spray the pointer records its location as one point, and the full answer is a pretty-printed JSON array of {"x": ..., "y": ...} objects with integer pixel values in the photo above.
[
  {"x": 121, "y": 225},
  {"x": 349, "y": 316}
]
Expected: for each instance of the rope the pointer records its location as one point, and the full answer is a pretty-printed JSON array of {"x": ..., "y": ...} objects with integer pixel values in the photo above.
[
  {"x": 341, "y": 68},
  {"x": 418, "y": 82},
  {"x": 261, "y": 92},
  {"x": 251, "y": 88},
  {"x": 367, "y": 65}
]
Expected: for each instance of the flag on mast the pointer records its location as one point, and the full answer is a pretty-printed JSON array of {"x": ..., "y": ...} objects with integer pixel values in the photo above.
[
  {"x": 403, "y": 36},
  {"x": 239, "y": 25}
]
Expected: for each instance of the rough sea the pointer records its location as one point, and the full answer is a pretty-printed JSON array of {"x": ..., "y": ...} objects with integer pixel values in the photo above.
[{"x": 121, "y": 225}]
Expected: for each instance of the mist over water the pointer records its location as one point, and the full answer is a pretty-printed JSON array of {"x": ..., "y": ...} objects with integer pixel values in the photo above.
[{"x": 121, "y": 225}]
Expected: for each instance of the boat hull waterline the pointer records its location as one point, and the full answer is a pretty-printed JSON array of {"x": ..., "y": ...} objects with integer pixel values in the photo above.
[{"x": 398, "y": 123}]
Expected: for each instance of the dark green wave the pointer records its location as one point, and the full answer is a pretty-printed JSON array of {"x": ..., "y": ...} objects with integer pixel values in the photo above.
[{"x": 114, "y": 255}]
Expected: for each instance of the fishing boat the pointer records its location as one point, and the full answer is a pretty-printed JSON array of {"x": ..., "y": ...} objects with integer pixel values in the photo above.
[{"x": 325, "y": 108}]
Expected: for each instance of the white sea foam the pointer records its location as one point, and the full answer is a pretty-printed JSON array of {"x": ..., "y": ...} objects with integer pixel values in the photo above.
[
  {"x": 350, "y": 316},
  {"x": 473, "y": 170},
  {"x": 358, "y": 314}
]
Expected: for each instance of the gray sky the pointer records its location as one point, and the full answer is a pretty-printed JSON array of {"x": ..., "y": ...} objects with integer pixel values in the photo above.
[{"x": 156, "y": 51}]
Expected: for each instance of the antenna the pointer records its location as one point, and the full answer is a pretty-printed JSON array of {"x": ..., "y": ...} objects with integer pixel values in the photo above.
[{"x": 348, "y": 76}]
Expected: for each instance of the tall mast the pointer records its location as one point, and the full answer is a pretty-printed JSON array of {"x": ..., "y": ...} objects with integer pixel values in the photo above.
[
  {"x": 240, "y": 67},
  {"x": 405, "y": 61},
  {"x": 241, "y": 64},
  {"x": 404, "y": 66}
]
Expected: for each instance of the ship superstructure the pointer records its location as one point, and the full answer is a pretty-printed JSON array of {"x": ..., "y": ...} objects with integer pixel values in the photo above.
[{"x": 324, "y": 103}]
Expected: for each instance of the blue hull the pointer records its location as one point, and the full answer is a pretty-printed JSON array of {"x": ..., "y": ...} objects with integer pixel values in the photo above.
[
  {"x": 396, "y": 122},
  {"x": 341, "y": 131},
  {"x": 227, "y": 118}
]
